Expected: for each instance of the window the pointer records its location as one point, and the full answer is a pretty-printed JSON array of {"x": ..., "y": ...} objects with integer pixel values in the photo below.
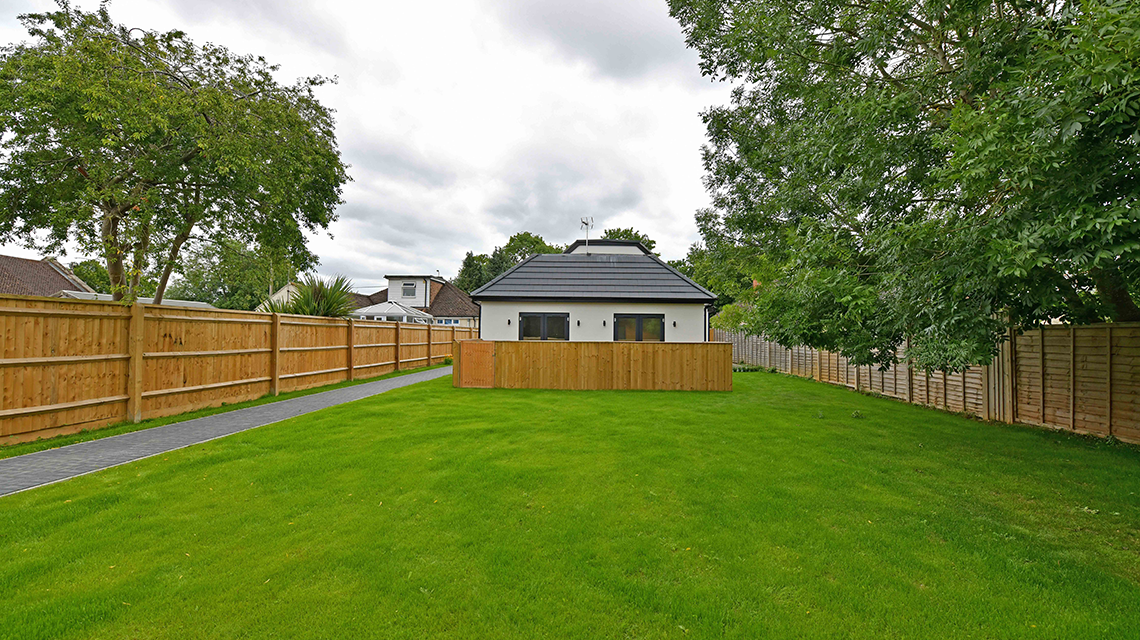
[
  {"x": 544, "y": 326},
  {"x": 639, "y": 327},
  {"x": 409, "y": 290}
]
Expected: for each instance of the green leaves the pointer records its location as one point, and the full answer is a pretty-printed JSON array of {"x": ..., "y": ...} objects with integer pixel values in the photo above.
[
  {"x": 317, "y": 296},
  {"x": 934, "y": 172},
  {"x": 137, "y": 143}
]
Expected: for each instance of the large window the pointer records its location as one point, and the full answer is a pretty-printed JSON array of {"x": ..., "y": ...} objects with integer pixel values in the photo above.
[
  {"x": 544, "y": 326},
  {"x": 409, "y": 290},
  {"x": 639, "y": 327}
]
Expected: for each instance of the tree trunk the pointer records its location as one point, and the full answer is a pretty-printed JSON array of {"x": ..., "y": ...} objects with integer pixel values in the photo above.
[
  {"x": 1112, "y": 288},
  {"x": 113, "y": 253},
  {"x": 171, "y": 257}
]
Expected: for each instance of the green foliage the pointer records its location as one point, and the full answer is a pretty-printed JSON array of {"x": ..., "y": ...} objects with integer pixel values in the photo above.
[
  {"x": 134, "y": 143},
  {"x": 630, "y": 234},
  {"x": 474, "y": 272},
  {"x": 317, "y": 296},
  {"x": 231, "y": 275},
  {"x": 931, "y": 171},
  {"x": 478, "y": 270},
  {"x": 94, "y": 274}
]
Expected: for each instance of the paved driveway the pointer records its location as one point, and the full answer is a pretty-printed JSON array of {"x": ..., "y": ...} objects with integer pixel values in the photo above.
[{"x": 54, "y": 465}]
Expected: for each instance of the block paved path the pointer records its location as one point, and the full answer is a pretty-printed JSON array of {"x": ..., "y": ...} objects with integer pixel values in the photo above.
[{"x": 36, "y": 469}]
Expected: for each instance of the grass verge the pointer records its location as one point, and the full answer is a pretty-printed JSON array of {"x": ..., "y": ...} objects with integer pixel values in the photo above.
[{"x": 19, "y": 449}]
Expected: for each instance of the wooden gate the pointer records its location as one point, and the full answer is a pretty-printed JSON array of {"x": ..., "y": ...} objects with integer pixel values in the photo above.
[{"x": 475, "y": 364}]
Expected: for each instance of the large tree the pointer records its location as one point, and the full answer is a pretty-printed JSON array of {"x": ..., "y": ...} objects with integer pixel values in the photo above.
[
  {"x": 629, "y": 233},
  {"x": 231, "y": 275},
  {"x": 134, "y": 143},
  {"x": 925, "y": 171},
  {"x": 479, "y": 269}
]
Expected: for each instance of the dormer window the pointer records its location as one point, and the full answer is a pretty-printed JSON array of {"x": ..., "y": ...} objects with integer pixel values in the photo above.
[{"x": 409, "y": 290}]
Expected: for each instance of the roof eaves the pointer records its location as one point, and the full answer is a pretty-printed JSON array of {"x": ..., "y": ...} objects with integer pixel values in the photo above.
[{"x": 684, "y": 277}]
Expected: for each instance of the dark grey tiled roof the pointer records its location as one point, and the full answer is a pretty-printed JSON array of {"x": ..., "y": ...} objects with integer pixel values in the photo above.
[{"x": 593, "y": 277}]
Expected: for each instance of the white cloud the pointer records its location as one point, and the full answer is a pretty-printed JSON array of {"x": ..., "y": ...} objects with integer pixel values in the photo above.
[{"x": 466, "y": 122}]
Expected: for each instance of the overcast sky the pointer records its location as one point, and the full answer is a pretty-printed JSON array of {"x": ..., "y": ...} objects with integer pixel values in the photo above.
[{"x": 466, "y": 121}]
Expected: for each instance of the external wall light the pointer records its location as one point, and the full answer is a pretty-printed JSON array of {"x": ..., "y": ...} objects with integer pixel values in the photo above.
[
  {"x": 508, "y": 321},
  {"x": 674, "y": 323},
  {"x": 603, "y": 323},
  {"x": 579, "y": 323}
]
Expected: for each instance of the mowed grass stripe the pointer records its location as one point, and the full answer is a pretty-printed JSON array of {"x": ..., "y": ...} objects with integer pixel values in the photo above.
[{"x": 438, "y": 512}]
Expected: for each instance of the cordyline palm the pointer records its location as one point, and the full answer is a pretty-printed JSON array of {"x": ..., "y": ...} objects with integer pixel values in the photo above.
[{"x": 318, "y": 297}]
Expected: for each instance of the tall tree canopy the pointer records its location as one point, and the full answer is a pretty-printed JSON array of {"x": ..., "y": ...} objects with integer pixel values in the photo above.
[
  {"x": 629, "y": 234},
  {"x": 937, "y": 171},
  {"x": 231, "y": 275},
  {"x": 478, "y": 270},
  {"x": 134, "y": 143}
]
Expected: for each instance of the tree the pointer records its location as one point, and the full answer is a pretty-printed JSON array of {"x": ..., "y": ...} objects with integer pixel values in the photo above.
[
  {"x": 937, "y": 172},
  {"x": 722, "y": 277},
  {"x": 478, "y": 270},
  {"x": 95, "y": 275},
  {"x": 135, "y": 143},
  {"x": 316, "y": 296},
  {"x": 629, "y": 234},
  {"x": 474, "y": 272},
  {"x": 231, "y": 275}
]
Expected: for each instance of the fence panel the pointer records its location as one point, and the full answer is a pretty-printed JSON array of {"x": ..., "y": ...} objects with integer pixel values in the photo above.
[
  {"x": 194, "y": 358},
  {"x": 67, "y": 365},
  {"x": 1080, "y": 378},
  {"x": 699, "y": 366},
  {"x": 63, "y": 364}
]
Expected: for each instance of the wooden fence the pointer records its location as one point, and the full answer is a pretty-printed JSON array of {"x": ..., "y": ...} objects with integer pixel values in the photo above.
[
  {"x": 68, "y": 365},
  {"x": 1079, "y": 378},
  {"x": 680, "y": 366}
]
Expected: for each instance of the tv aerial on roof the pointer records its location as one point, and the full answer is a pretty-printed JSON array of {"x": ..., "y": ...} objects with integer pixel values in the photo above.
[{"x": 587, "y": 224}]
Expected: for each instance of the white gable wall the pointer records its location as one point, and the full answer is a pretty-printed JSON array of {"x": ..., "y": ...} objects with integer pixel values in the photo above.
[
  {"x": 420, "y": 299},
  {"x": 599, "y": 249},
  {"x": 586, "y": 319}
]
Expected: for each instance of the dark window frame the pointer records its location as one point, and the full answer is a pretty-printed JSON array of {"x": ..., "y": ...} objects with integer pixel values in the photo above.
[
  {"x": 542, "y": 322},
  {"x": 640, "y": 317}
]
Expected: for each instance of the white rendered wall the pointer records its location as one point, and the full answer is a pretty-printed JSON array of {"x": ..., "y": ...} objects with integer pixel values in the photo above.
[
  {"x": 396, "y": 292},
  {"x": 586, "y": 319},
  {"x": 597, "y": 249}
]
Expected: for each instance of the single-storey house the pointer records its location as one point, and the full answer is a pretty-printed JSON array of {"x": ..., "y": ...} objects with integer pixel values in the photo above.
[
  {"x": 27, "y": 277},
  {"x": 604, "y": 290},
  {"x": 106, "y": 297},
  {"x": 442, "y": 302},
  {"x": 392, "y": 312}
]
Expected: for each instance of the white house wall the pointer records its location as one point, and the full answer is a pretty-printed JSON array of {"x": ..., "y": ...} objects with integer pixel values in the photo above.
[
  {"x": 621, "y": 249},
  {"x": 396, "y": 291},
  {"x": 586, "y": 319}
]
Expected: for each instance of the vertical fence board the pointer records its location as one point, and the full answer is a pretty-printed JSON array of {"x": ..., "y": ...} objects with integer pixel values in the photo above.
[
  {"x": 1081, "y": 378},
  {"x": 67, "y": 365}
]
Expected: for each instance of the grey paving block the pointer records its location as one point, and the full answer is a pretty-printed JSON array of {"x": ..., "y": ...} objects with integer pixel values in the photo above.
[{"x": 36, "y": 469}]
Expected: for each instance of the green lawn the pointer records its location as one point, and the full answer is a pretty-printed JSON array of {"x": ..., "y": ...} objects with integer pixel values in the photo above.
[{"x": 433, "y": 512}]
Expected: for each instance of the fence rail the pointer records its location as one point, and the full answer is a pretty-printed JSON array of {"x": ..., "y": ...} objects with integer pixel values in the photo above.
[
  {"x": 1078, "y": 378},
  {"x": 681, "y": 366},
  {"x": 67, "y": 365}
]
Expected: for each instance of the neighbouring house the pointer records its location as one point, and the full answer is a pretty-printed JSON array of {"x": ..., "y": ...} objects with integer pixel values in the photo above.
[
  {"x": 106, "y": 297},
  {"x": 606, "y": 290},
  {"x": 46, "y": 277},
  {"x": 392, "y": 312},
  {"x": 442, "y": 302}
]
